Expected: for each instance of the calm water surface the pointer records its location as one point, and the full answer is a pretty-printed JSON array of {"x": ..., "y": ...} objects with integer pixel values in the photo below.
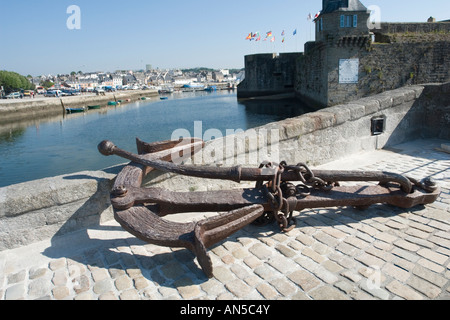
[{"x": 62, "y": 145}]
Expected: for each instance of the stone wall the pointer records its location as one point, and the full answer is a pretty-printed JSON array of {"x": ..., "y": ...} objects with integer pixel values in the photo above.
[
  {"x": 44, "y": 209},
  {"x": 403, "y": 58},
  {"x": 268, "y": 74},
  {"x": 27, "y": 108}
]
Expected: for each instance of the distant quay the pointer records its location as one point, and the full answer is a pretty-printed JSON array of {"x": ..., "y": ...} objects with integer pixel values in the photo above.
[{"x": 28, "y": 108}]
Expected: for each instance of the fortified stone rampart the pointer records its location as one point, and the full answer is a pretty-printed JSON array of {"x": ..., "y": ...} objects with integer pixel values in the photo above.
[
  {"x": 268, "y": 74},
  {"x": 44, "y": 209},
  {"x": 402, "y": 54},
  {"x": 349, "y": 61}
]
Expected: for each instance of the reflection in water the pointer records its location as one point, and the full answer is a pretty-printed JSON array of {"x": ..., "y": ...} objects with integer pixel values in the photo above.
[
  {"x": 62, "y": 145},
  {"x": 10, "y": 135},
  {"x": 277, "y": 109}
]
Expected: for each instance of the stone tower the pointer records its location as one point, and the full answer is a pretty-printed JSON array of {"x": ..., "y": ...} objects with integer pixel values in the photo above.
[
  {"x": 330, "y": 68},
  {"x": 342, "y": 18}
]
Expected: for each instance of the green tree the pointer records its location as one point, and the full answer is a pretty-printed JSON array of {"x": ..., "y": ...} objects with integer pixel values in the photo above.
[
  {"x": 46, "y": 84},
  {"x": 13, "y": 81}
]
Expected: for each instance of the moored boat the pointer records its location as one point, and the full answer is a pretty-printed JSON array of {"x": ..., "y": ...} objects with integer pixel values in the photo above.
[
  {"x": 75, "y": 110},
  {"x": 93, "y": 107}
]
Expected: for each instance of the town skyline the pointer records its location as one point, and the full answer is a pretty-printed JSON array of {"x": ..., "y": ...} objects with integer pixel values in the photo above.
[{"x": 97, "y": 35}]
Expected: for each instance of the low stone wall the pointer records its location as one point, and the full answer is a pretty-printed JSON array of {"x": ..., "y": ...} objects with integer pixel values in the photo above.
[
  {"x": 43, "y": 209},
  {"x": 27, "y": 108}
]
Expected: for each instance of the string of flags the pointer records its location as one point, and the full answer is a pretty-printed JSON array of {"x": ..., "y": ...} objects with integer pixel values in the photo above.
[{"x": 271, "y": 37}]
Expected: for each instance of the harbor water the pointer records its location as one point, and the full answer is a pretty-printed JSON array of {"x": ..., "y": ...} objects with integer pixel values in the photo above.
[{"x": 68, "y": 143}]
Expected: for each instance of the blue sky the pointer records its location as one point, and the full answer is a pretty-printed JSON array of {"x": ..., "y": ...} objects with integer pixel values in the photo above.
[{"x": 166, "y": 34}]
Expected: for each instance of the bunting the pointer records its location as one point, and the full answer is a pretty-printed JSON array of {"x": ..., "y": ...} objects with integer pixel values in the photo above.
[{"x": 269, "y": 35}]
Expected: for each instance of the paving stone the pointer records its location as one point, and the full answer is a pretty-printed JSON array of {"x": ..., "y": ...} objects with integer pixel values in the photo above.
[
  {"x": 223, "y": 274},
  {"x": 396, "y": 272},
  {"x": 328, "y": 293},
  {"x": 172, "y": 270},
  {"x": 81, "y": 284},
  {"x": 17, "y": 277},
  {"x": 424, "y": 287},
  {"x": 123, "y": 283},
  {"x": 187, "y": 289},
  {"x": 238, "y": 288},
  {"x": 16, "y": 292},
  {"x": 375, "y": 291},
  {"x": 102, "y": 286},
  {"x": 261, "y": 251},
  {"x": 369, "y": 260},
  {"x": 356, "y": 242},
  {"x": 140, "y": 283},
  {"x": 433, "y": 256},
  {"x": 212, "y": 287},
  {"x": 305, "y": 280},
  {"x": 431, "y": 265},
  {"x": 351, "y": 275},
  {"x": 39, "y": 288},
  {"x": 403, "y": 291},
  {"x": 305, "y": 239},
  {"x": 57, "y": 264},
  {"x": 332, "y": 266},
  {"x": 267, "y": 291},
  {"x": 286, "y": 251},
  {"x": 283, "y": 286},
  {"x": 386, "y": 237},
  {"x": 108, "y": 296},
  {"x": 406, "y": 245},
  {"x": 60, "y": 293},
  {"x": 417, "y": 233},
  {"x": 308, "y": 252},
  {"x": 60, "y": 277},
  {"x": 430, "y": 276},
  {"x": 326, "y": 239},
  {"x": 405, "y": 254},
  {"x": 84, "y": 296}
]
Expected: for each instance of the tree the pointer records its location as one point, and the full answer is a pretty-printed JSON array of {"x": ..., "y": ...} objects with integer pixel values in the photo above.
[
  {"x": 12, "y": 81},
  {"x": 46, "y": 84}
]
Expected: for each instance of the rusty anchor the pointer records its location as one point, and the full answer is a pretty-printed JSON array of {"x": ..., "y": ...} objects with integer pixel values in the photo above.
[{"x": 275, "y": 197}]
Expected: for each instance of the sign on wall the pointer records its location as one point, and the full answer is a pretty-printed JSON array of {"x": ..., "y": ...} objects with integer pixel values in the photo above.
[{"x": 348, "y": 70}]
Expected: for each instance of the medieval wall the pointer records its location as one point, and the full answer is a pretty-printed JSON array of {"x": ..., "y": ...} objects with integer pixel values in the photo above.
[
  {"x": 403, "y": 54},
  {"x": 268, "y": 74}
]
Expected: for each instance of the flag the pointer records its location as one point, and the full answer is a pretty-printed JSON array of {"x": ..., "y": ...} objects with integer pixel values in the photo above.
[
  {"x": 282, "y": 40},
  {"x": 317, "y": 15},
  {"x": 269, "y": 34},
  {"x": 259, "y": 37},
  {"x": 309, "y": 17},
  {"x": 249, "y": 37},
  {"x": 295, "y": 32},
  {"x": 282, "y": 34},
  {"x": 272, "y": 40}
]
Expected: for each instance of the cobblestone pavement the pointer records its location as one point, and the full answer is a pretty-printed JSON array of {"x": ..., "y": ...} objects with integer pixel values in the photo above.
[{"x": 334, "y": 253}]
